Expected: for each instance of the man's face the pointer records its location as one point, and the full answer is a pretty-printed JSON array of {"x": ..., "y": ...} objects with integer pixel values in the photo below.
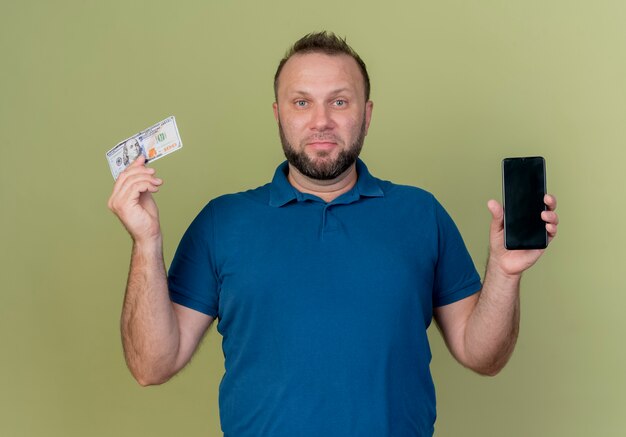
[
  {"x": 322, "y": 113},
  {"x": 133, "y": 149}
]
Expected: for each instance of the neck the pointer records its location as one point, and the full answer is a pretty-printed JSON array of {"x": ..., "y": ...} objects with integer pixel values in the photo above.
[{"x": 327, "y": 190}]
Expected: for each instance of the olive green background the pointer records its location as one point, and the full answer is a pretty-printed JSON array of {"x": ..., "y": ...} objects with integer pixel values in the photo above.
[{"x": 457, "y": 86}]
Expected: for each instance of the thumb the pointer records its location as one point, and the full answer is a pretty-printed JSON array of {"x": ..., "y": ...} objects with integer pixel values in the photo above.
[
  {"x": 497, "y": 215},
  {"x": 140, "y": 160}
]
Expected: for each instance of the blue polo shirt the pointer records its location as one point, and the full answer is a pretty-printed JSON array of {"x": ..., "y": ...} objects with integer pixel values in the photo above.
[{"x": 323, "y": 307}]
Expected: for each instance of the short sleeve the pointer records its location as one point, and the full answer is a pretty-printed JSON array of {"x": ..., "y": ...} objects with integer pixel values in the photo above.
[
  {"x": 455, "y": 275},
  {"x": 192, "y": 278}
]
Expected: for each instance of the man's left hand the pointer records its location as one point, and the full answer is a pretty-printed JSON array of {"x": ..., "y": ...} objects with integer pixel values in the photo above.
[{"x": 514, "y": 262}]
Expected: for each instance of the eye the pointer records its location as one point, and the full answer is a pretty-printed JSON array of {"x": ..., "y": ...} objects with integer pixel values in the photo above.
[
  {"x": 340, "y": 102},
  {"x": 301, "y": 103}
]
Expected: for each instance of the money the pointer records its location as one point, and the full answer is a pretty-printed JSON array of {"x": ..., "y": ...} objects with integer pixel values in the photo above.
[{"x": 153, "y": 143}]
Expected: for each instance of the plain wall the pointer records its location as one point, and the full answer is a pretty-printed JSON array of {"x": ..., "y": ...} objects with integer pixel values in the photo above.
[{"x": 457, "y": 86}]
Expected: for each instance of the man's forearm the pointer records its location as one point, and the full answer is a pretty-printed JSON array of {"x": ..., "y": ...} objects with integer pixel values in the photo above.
[
  {"x": 493, "y": 326},
  {"x": 149, "y": 325}
]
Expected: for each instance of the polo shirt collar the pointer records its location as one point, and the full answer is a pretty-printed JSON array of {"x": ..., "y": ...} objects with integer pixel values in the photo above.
[
  {"x": 367, "y": 185},
  {"x": 282, "y": 192}
]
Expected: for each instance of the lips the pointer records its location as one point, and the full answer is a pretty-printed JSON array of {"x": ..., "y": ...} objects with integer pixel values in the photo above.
[
  {"x": 321, "y": 140},
  {"x": 322, "y": 145}
]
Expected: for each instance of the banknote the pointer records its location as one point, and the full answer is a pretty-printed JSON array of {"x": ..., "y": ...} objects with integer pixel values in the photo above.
[{"x": 153, "y": 143}]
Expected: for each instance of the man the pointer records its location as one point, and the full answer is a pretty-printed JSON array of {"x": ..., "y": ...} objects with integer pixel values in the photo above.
[{"x": 324, "y": 281}]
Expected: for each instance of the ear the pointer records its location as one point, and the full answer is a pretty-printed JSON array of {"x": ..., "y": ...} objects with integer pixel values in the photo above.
[
  {"x": 275, "y": 108},
  {"x": 369, "y": 107}
]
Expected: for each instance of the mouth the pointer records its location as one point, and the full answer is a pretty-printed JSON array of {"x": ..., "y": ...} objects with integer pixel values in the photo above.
[{"x": 322, "y": 145}]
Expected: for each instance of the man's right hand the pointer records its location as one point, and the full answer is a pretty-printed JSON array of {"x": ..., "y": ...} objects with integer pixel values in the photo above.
[{"x": 131, "y": 201}]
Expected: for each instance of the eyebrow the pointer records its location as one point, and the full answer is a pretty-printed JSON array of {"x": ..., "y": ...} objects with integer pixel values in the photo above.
[{"x": 333, "y": 92}]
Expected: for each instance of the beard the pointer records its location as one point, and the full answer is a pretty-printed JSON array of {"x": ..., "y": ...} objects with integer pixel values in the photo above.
[{"x": 323, "y": 169}]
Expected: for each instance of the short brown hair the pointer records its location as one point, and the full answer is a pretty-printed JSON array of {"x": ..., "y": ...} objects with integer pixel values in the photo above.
[{"x": 327, "y": 43}]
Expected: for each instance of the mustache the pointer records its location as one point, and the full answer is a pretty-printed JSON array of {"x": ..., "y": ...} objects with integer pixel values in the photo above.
[
  {"x": 325, "y": 137},
  {"x": 319, "y": 136}
]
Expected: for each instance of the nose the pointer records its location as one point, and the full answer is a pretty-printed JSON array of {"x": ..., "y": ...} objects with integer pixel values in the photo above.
[{"x": 321, "y": 118}]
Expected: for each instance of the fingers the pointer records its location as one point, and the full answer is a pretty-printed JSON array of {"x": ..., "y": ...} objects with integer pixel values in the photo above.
[
  {"x": 133, "y": 181},
  {"x": 552, "y": 221},
  {"x": 136, "y": 168},
  {"x": 550, "y": 216},
  {"x": 136, "y": 184},
  {"x": 550, "y": 201}
]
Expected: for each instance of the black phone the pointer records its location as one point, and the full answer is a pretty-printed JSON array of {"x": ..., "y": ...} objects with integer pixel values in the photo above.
[{"x": 523, "y": 190}]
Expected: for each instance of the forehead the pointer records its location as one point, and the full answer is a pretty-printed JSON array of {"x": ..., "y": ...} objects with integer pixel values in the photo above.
[{"x": 318, "y": 71}]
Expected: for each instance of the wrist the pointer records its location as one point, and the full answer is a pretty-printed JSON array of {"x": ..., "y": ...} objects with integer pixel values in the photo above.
[
  {"x": 495, "y": 269},
  {"x": 148, "y": 244}
]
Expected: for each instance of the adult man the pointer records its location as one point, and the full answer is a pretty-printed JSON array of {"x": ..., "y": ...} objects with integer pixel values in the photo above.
[{"x": 324, "y": 281}]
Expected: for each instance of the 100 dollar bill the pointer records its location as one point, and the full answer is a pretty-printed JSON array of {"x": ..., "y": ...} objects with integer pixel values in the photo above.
[{"x": 153, "y": 143}]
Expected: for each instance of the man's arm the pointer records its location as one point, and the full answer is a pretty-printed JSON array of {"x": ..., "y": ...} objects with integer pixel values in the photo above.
[
  {"x": 481, "y": 330},
  {"x": 159, "y": 337}
]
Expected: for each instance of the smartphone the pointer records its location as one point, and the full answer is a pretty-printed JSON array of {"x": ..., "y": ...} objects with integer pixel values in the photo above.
[{"x": 523, "y": 190}]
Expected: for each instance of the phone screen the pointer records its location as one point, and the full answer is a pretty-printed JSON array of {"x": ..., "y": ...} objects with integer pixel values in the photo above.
[{"x": 524, "y": 187}]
